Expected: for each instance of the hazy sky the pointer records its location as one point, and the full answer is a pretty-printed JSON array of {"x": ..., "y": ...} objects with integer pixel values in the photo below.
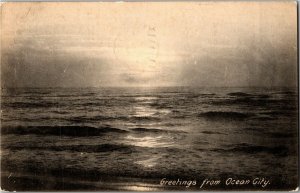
[{"x": 149, "y": 44}]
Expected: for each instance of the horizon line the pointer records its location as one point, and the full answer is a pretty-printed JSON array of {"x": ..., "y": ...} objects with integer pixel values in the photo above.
[{"x": 16, "y": 87}]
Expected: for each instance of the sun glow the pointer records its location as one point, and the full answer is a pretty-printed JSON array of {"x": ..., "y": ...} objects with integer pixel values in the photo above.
[{"x": 139, "y": 59}]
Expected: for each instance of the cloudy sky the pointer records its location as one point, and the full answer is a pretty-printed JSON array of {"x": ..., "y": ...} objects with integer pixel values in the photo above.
[{"x": 149, "y": 44}]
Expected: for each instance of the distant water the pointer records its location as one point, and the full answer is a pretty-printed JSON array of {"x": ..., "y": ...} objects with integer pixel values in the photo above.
[{"x": 131, "y": 138}]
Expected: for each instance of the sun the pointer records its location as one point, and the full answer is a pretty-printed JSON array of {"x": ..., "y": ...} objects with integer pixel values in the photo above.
[{"x": 138, "y": 52}]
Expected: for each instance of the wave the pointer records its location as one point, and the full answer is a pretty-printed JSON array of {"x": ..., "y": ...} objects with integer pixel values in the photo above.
[
  {"x": 286, "y": 92},
  {"x": 242, "y": 94},
  {"x": 262, "y": 96},
  {"x": 144, "y": 118},
  {"x": 78, "y": 131},
  {"x": 264, "y": 118},
  {"x": 140, "y": 129},
  {"x": 271, "y": 134},
  {"x": 256, "y": 101},
  {"x": 212, "y": 132},
  {"x": 80, "y": 119},
  {"x": 278, "y": 113},
  {"x": 151, "y": 130},
  {"x": 253, "y": 149},
  {"x": 81, "y": 148},
  {"x": 202, "y": 95},
  {"x": 238, "y": 94},
  {"x": 111, "y": 118},
  {"x": 30, "y": 104},
  {"x": 235, "y": 101},
  {"x": 221, "y": 115}
]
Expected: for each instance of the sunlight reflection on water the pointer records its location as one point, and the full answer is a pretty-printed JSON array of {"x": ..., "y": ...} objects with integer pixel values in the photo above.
[
  {"x": 140, "y": 188},
  {"x": 150, "y": 162},
  {"x": 144, "y": 111},
  {"x": 147, "y": 111},
  {"x": 149, "y": 141}
]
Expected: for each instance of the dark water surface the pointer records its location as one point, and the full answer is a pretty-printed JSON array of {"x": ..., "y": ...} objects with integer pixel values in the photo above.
[{"x": 131, "y": 138}]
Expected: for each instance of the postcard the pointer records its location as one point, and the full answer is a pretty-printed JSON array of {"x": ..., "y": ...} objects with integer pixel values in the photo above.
[{"x": 149, "y": 96}]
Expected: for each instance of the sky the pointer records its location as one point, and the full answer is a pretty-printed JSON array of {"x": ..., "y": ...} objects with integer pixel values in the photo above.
[{"x": 107, "y": 44}]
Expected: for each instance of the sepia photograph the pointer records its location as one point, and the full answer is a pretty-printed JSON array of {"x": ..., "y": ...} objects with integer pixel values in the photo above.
[{"x": 149, "y": 96}]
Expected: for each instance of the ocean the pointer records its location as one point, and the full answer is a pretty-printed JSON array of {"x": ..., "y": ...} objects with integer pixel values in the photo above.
[{"x": 131, "y": 138}]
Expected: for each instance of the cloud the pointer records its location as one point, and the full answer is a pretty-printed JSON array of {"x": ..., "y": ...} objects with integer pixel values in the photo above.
[{"x": 156, "y": 44}]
